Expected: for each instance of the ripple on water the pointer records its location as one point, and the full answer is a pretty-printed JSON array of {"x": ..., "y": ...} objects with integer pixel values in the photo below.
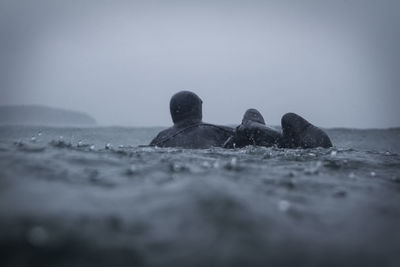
[{"x": 29, "y": 147}]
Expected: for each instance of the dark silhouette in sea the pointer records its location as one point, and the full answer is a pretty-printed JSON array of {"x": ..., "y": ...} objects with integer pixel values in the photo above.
[
  {"x": 188, "y": 130},
  {"x": 253, "y": 131},
  {"x": 296, "y": 133}
]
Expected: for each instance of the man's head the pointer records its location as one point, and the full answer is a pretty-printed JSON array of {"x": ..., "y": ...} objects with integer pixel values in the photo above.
[
  {"x": 253, "y": 115},
  {"x": 185, "y": 105}
]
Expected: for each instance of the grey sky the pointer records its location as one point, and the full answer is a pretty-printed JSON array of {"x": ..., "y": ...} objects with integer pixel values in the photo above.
[{"x": 334, "y": 62}]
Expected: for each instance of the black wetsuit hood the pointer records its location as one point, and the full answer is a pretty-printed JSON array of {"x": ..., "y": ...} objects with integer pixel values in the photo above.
[
  {"x": 188, "y": 130},
  {"x": 253, "y": 115},
  {"x": 186, "y": 106}
]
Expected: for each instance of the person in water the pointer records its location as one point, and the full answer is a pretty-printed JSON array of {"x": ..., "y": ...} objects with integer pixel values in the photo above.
[
  {"x": 296, "y": 133},
  {"x": 253, "y": 131},
  {"x": 188, "y": 130}
]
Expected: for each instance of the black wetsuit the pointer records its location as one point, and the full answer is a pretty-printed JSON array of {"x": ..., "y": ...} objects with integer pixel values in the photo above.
[
  {"x": 253, "y": 131},
  {"x": 188, "y": 130},
  {"x": 297, "y": 132}
]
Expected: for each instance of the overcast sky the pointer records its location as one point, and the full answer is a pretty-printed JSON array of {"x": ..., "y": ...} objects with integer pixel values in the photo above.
[{"x": 334, "y": 62}]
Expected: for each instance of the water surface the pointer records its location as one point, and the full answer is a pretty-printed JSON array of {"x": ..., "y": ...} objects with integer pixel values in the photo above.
[{"x": 80, "y": 196}]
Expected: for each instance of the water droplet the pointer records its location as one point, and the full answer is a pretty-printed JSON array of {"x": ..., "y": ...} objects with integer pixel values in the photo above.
[
  {"x": 176, "y": 167},
  {"x": 352, "y": 175},
  {"x": 232, "y": 164},
  {"x": 313, "y": 169},
  {"x": 132, "y": 170},
  {"x": 267, "y": 155},
  {"x": 206, "y": 164},
  {"x": 284, "y": 205}
]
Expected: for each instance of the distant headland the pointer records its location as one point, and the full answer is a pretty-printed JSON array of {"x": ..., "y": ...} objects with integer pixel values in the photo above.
[{"x": 43, "y": 116}]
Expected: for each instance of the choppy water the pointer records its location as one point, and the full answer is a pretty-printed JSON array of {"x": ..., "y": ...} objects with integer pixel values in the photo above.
[{"x": 78, "y": 197}]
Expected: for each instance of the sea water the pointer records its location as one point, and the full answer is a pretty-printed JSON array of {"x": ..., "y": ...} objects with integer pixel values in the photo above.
[{"x": 95, "y": 196}]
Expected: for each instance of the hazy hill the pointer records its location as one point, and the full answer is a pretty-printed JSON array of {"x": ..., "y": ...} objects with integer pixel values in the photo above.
[{"x": 45, "y": 116}]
